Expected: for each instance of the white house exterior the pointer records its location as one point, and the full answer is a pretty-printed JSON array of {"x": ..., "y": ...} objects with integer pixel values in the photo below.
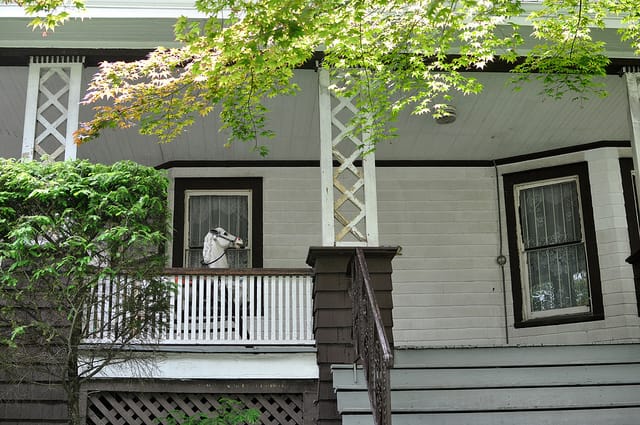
[{"x": 471, "y": 295}]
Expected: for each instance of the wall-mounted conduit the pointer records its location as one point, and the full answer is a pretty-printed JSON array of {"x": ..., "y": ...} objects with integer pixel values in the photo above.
[{"x": 501, "y": 259}]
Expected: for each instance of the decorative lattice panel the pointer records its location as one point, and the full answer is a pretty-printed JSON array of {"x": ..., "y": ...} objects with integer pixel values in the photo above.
[
  {"x": 349, "y": 193},
  {"x": 127, "y": 408},
  {"x": 51, "y": 115}
]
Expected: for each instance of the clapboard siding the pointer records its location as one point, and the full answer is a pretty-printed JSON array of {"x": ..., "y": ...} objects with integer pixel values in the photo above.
[
  {"x": 446, "y": 283},
  {"x": 43, "y": 403},
  {"x": 448, "y": 289},
  {"x": 291, "y": 209},
  {"x": 586, "y": 385}
]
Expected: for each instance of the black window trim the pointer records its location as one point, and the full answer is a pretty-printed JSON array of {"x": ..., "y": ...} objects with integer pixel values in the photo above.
[
  {"x": 218, "y": 183},
  {"x": 628, "y": 192},
  {"x": 531, "y": 176}
]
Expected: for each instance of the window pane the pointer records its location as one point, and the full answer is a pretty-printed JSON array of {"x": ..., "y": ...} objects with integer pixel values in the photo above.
[
  {"x": 206, "y": 212},
  {"x": 550, "y": 215},
  {"x": 558, "y": 277}
]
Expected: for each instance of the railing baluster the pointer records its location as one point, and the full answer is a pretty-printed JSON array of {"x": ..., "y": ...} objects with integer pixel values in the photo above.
[
  {"x": 235, "y": 302},
  {"x": 179, "y": 310},
  {"x": 207, "y": 309},
  {"x": 187, "y": 308},
  {"x": 294, "y": 283},
  {"x": 252, "y": 307},
  {"x": 243, "y": 307},
  {"x": 309, "y": 305},
  {"x": 281, "y": 306},
  {"x": 106, "y": 331},
  {"x": 216, "y": 307},
  {"x": 274, "y": 308},
  {"x": 223, "y": 307},
  {"x": 268, "y": 313},
  {"x": 199, "y": 312},
  {"x": 259, "y": 309}
]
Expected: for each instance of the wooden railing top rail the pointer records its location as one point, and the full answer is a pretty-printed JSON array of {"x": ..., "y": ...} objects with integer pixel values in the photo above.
[{"x": 239, "y": 272}]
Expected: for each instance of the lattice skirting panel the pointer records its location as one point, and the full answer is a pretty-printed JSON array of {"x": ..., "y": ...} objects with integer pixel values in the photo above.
[{"x": 132, "y": 408}]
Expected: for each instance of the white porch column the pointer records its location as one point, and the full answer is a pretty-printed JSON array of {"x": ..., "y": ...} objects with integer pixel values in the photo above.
[
  {"x": 53, "y": 103},
  {"x": 349, "y": 200}
]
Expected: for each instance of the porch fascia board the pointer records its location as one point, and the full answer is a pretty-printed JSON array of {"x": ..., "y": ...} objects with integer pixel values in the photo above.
[{"x": 221, "y": 365}]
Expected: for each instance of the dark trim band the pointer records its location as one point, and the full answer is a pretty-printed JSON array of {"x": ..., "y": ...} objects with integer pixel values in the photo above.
[
  {"x": 400, "y": 163},
  {"x": 10, "y": 56}
]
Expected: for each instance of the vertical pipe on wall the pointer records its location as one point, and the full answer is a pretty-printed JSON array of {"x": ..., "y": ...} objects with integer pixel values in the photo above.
[{"x": 501, "y": 259}]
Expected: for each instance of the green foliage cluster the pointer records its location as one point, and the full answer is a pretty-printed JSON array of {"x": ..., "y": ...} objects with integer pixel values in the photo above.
[
  {"x": 66, "y": 222},
  {"x": 65, "y": 227},
  {"x": 48, "y": 14},
  {"x": 388, "y": 55},
  {"x": 230, "y": 412}
]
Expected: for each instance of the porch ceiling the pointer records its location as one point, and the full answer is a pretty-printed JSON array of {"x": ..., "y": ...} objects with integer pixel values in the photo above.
[{"x": 498, "y": 123}]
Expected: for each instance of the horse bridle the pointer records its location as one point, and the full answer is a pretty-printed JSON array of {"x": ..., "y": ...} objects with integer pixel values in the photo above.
[
  {"x": 218, "y": 235},
  {"x": 226, "y": 238}
]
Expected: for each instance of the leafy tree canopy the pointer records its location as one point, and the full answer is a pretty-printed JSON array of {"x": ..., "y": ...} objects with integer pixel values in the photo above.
[
  {"x": 392, "y": 54},
  {"x": 48, "y": 14}
]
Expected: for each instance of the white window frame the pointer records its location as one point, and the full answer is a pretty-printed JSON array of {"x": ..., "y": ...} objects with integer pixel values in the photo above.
[
  {"x": 524, "y": 266},
  {"x": 218, "y": 192}
]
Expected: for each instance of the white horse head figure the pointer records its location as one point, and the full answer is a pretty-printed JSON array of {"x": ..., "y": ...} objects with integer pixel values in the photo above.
[{"x": 216, "y": 243}]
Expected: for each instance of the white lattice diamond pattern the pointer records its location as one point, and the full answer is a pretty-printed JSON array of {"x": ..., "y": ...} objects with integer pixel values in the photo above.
[
  {"x": 52, "y": 112},
  {"x": 52, "y": 107},
  {"x": 349, "y": 200},
  {"x": 348, "y": 180}
]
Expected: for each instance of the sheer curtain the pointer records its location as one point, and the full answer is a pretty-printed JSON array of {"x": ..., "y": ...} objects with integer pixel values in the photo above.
[
  {"x": 206, "y": 212},
  {"x": 554, "y": 246}
]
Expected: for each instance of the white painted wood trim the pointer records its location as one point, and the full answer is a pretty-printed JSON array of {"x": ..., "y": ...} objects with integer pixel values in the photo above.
[
  {"x": 326, "y": 158},
  {"x": 73, "y": 109},
  {"x": 285, "y": 365},
  {"x": 633, "y": 94},
  {"x": 31, "y": 110},
  {"x": 370, "y": 193}
]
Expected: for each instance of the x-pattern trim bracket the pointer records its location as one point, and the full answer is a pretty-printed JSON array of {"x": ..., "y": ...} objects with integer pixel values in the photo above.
[
  {"x": 52, "y": 107},
  {"x": 349, "y": 202}
]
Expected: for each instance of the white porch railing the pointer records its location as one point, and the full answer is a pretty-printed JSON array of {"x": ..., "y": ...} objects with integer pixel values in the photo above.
[{"x": 240, "y": 307}]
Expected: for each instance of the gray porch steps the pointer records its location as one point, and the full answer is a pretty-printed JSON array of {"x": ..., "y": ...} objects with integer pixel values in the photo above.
[{"x": 573, "y": 385}]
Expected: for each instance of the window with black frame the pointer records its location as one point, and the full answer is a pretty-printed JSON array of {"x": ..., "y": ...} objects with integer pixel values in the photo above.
[
  {"x": 630, "y": 192},
  {"x": 209, "y": 203},
  {"x": 210, "y": 209},
  {"x": 554, "y": 264}
]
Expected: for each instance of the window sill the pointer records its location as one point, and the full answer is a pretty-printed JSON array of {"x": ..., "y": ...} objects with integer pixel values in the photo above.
[{"x": 559, "y": 320}]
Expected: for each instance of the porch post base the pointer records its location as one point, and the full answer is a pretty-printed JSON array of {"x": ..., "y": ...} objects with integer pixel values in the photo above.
[{"x": 332, "y": 312}]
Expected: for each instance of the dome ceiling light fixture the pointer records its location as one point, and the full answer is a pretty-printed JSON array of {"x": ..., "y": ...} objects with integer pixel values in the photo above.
[{"x": 446, "y": 114}]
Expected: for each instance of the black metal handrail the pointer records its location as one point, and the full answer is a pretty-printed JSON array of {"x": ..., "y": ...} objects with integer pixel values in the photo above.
[{"x": 371, "y": 343}]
